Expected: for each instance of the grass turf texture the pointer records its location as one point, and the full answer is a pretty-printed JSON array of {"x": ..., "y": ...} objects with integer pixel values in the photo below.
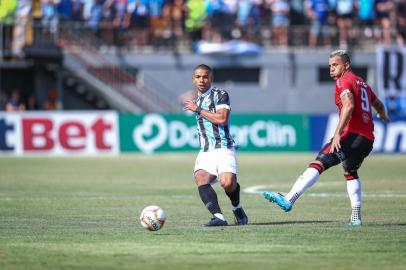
[{"x": 82, "y": 213}]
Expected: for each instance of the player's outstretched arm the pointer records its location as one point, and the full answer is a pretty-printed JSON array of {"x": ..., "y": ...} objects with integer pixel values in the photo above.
[
  {"x": 380, "y": 109},
  {"x": 220, "y": 117}
]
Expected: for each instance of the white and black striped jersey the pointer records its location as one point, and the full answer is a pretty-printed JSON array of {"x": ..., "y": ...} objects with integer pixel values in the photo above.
[{"x": 212, "y": 136}]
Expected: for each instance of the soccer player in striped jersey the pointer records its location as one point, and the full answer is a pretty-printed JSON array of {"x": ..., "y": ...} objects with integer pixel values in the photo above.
[
  {"x": 216, "y": 160},
  {"x": 352, "y": 141}
]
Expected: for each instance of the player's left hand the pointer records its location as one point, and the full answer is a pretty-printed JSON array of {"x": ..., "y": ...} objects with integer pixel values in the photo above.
[
  {"x": 335, "y": 143},
  {"x": 189, "y": 105},
  {"x": 383, "y": 117}
]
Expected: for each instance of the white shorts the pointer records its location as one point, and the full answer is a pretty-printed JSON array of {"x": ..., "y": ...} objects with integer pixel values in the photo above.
[{"x": 217, "y": 161}]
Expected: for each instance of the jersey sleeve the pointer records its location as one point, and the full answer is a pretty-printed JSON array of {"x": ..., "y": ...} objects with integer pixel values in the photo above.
[
  {"x": 223, "y": 101},
  {"x": 344, "y": 85}
]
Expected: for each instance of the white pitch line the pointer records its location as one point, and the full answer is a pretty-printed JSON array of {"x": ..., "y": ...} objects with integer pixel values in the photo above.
[{"x": 261, "y": 188}]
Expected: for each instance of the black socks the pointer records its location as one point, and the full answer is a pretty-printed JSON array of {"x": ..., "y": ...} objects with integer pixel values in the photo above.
[
  {"x": 234, "y": 196},
  {"x": 209, "y": 198}
]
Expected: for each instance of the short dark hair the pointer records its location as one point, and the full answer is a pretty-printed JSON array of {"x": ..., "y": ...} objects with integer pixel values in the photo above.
[
  {"x": 344, "y": 54},
  {"x": 204, "y": 67}
]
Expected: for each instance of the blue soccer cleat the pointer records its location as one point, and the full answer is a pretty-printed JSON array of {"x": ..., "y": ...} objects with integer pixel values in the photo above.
[
  {"x": 216, "y": 222},
  {"x": 240, "y": 217},
  {"x": 279, "y": 199},
  {"x": 354, "y": 223}
]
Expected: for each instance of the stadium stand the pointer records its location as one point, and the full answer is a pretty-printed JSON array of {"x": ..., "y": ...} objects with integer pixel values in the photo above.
[{"x": 100, "y": 38}]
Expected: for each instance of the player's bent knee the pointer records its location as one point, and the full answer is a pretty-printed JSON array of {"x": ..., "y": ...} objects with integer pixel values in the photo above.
[
  {"x": 228, "y": 182},
  {"x": 318, "y": 165},
  {"x": 225, "y": 184},
  {"x": 351, "y": 175},
  {"x": 202, "y": 178},
  {"x": 327, "y": 160}
]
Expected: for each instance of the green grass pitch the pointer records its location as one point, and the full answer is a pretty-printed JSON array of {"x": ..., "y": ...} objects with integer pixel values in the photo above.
[{"x": 82, "y": 213}]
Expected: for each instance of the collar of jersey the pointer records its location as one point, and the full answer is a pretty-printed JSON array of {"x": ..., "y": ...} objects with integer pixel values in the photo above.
[{"x": 206, "y": 93}]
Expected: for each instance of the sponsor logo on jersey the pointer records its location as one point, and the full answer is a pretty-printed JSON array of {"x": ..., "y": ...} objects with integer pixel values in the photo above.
[{"x": 365, "y": 117}]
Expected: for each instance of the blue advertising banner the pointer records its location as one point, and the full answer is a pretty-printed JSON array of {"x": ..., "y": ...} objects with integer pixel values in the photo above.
[{"x": 389, "y": 137}]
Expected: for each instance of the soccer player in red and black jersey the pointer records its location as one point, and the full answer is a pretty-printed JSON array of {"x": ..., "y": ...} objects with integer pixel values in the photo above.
[{"x": 352, "y": 141}]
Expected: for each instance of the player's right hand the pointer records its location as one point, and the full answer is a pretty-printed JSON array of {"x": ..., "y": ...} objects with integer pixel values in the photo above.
[
  {"x": 335, "y": 143},
  {"x": 189, "y": 105}
]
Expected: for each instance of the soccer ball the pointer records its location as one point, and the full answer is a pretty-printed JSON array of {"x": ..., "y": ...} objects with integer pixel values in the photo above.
[{"x": 152, "y": 218}]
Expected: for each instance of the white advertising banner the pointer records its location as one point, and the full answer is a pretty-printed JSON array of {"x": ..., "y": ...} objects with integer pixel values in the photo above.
[{"x": 59, "y": 133}]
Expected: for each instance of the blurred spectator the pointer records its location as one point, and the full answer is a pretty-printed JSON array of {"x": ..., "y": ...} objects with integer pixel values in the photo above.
[
  {"x": 14, "y": 103},
  {"x": 119, "y": 10},
  {"x": 32, "y": 103},
  {"x": 383, "y": 10},
  {"x": 244, "y": 17},
  {"x": 298, "y": 33},
  {"x": 51, "y": 102},
  {"x": 36, "y": 9},
  {"x": 158, "y": 23},
  {"x": 297, "y": 16},
  {"x": 229, "y": 15},
  {"x": 174, "y": 13},
  {"x": 20, "y": 38},
  {"x": 249, "y": 20},
  {"x": 214, "y": 30},
  {"x": 50, "y": 19},
  {"x": 223, "y": 15},
  {"x": 401, "y": 23},
  {"x": 280, "y": 21},
  {"x": 366, "y": 16},
  {"x": 345, "y": 13},
  {"x": 8, "y": 10},
  {"x": 318, "y": 11},
  {"x": 195, "y": 18},
  {"x": 138, "y": 18},
  {"x": 87, "y": 7},
  {"x": 256, "y": 17},
  {"x": 64, "y": 9},
  {"x": 332, "y": 7},
  {"x": 77, "y": 10},
  {"x": 214, "y": 8},
  {"x": 96, "y": 17}
]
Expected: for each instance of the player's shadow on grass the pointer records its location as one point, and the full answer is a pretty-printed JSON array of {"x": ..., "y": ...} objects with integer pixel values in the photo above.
[
  {"x": 291, "y": 222},
  {"x": 385, "y": 224}
]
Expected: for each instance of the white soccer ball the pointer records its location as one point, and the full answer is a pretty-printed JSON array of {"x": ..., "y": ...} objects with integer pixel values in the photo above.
[{"x": 152, "y": 218}]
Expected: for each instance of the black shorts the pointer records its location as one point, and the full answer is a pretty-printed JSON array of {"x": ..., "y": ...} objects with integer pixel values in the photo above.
[{"x": 354, "y": 148}]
